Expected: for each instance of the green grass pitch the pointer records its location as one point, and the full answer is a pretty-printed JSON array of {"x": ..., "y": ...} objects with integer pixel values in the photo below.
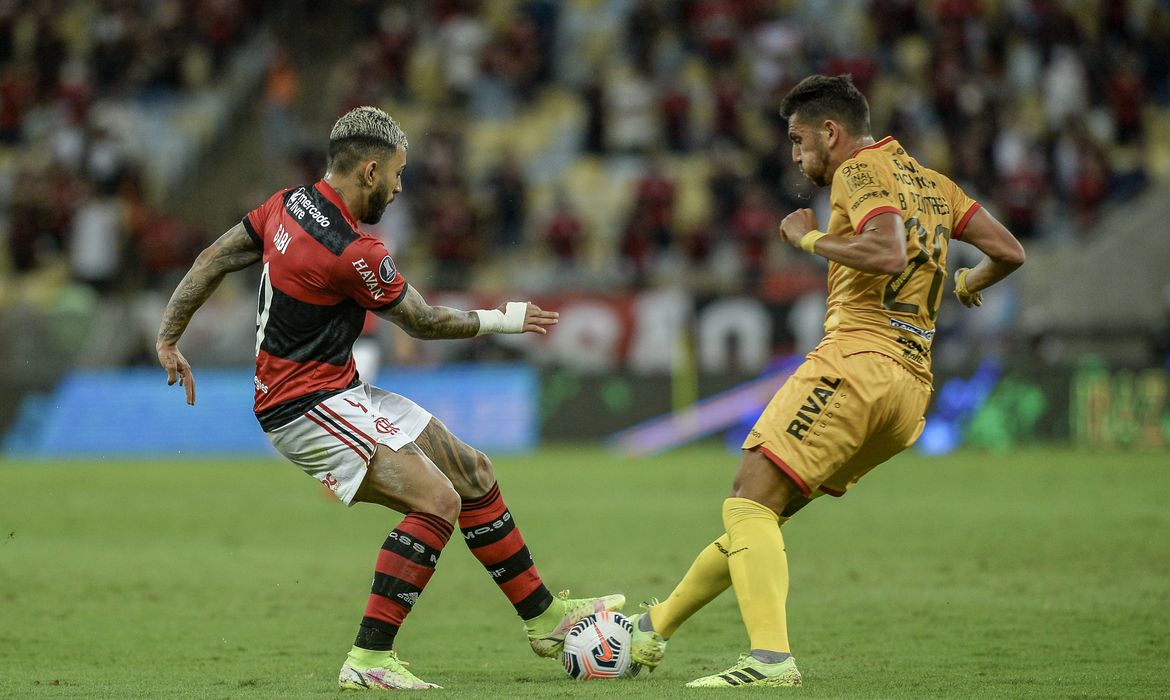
[{"x": 1039, "y": 573}]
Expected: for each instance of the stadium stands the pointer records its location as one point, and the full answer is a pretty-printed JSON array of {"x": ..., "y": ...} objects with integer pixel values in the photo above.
[{"x": 640, "y": 135}]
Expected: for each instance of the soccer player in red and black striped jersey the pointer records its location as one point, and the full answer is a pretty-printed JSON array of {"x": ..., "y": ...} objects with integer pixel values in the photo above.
[{"x": 320, "y": 275}]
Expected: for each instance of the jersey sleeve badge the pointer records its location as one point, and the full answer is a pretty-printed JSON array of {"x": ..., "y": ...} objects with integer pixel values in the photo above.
[{"x": 386, "y": 270}]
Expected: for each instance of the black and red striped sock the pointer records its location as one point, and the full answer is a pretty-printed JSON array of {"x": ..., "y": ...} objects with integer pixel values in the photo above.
[
  {"x": 492, "y": 536},
  {"x": 405, "y": 564}
]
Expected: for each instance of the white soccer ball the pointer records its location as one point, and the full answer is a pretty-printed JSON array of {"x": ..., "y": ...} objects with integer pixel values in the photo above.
[{"x": 598, "y": 646}]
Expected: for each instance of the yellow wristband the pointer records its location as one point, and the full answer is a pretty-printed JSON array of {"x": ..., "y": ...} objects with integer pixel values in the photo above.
[
  {"x": 961, "y": 281},
  {"x": 809, "y": 241}
]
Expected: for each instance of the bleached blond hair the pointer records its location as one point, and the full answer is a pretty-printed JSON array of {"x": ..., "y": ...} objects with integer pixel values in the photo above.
[
  {"x": 359, "y": 131},
  {"x": 371, "y": 123}
]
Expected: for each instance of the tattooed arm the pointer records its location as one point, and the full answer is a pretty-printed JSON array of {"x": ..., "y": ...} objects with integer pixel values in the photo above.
[
  {"x": 421, "y": 320},
  {"x": 233, "y": 251}
]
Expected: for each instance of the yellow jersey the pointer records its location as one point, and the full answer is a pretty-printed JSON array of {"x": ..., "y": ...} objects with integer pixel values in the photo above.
[{"x": 893, "y": 314}]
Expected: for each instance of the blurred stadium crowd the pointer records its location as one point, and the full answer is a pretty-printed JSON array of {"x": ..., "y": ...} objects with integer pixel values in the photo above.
[
  {"x": 72, "y": 77},
  {"x": 611, "y": 142}
]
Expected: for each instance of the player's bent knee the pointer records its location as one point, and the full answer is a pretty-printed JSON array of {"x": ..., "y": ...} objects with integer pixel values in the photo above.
[
  {"x": 472, "y": 474},
  {"x": 759, "y": 479},
  {"x": 445, "y": 503},
  {"x": 484, "y": 474}
]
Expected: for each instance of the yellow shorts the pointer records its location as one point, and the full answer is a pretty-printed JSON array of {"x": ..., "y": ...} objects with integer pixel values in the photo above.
[{"x": 838, "y": 416}]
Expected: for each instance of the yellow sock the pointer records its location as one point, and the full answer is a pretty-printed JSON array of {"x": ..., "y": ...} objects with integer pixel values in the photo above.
[
  {"x": 707, "y": 578},
  {"x": 759, "y": 571}
]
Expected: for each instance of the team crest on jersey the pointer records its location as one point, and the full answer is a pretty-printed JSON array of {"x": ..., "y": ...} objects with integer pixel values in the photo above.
[{"x": 386, "y": 270}]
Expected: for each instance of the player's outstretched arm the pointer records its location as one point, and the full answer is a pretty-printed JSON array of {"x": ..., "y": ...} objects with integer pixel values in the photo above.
[
  {"x": 421, "y": 320},
  {"x": 232, "y": 251},
  {"x": 1004, "y": 255}
]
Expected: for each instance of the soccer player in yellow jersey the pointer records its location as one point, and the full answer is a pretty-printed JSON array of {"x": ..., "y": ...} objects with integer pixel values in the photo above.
[{"x": 859, "y": 398}]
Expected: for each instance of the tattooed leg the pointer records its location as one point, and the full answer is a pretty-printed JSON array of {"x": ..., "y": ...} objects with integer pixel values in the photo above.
[
  {"x": 469, "y": 470},
  {"x": 488, "y": 527}
]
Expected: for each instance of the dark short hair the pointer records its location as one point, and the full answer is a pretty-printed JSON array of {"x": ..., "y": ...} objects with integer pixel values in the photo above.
[
  {"x": 820, "y": 97},
  {"x": 362, "y": 132}
]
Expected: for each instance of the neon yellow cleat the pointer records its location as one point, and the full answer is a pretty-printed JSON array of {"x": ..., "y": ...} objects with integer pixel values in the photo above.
[
  {"x": 378, "y": 670},
  {"x": 646, "y": 648},
  {"x": 546, "y": 633},
  {"x": 750, "y": 671}
]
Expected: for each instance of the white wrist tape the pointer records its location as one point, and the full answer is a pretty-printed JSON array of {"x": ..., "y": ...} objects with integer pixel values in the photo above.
[{"x": 511, "y": 320}]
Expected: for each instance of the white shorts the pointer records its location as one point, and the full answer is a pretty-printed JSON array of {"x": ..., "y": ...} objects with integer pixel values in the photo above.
[{"x": 335, "y": 440}]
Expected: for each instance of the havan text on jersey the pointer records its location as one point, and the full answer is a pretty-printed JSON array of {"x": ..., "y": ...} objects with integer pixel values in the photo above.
[{"x": 369, "y": 278}]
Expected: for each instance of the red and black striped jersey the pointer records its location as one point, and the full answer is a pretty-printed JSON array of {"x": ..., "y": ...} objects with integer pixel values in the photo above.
[{"x": 321, "y": 274}]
